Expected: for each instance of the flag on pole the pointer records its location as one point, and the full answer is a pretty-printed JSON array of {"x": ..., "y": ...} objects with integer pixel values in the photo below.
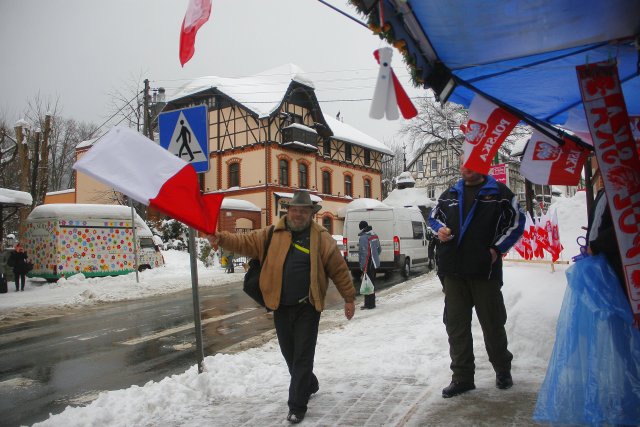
[
  {"x": 555, "y": 246},
  {"x": 526, "y": 238},
  {"x": 197, "y": 14},
  {"x": 546, "y": 162},
  {"x": 519, "y": 247},
  {"x": 134, "y": 165},
  {"x": 487, "y": 128},
  {"x": 542, "y": 237},
  {"x": 389, "y": 93}
]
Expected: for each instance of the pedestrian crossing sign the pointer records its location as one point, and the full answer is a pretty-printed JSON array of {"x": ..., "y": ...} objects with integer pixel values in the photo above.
[{"x": 184, "y": 133}]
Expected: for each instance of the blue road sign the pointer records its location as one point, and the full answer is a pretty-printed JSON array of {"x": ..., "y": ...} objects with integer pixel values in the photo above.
[{"x": 184, "y": 133}]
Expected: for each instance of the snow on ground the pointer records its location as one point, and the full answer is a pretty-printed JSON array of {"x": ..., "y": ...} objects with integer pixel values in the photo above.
[{"x": 384, "y": 367}]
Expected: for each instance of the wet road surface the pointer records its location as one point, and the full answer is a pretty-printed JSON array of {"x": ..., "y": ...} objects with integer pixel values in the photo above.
[{"x": 49, "y": 364}]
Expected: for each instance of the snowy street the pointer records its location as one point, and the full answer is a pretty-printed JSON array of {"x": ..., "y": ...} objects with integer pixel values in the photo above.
[{"x": 385, "y": 367}]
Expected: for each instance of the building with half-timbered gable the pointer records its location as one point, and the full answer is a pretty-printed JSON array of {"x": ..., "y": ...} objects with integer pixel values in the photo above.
[{"x": 268, "y": 137}]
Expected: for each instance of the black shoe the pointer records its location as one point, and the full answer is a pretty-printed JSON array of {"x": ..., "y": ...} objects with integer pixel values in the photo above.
[
  {"x": 295, "y": 417},
  {"x": 456, "y": 388},
  {"x": 504, "y": 381}
]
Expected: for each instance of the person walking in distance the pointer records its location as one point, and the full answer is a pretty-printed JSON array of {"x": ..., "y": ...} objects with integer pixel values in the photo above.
[
  {"x": 301, "y": 258},
  {"x": 18, "y": 260},
  {"x": 369, "y": 257},
  {"x": 476, "y": 220}
]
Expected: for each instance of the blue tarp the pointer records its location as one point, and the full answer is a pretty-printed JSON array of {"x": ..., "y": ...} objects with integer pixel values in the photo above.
[
  {"x": 522, "y": 53},
  {"x": 593, "y": 375}
]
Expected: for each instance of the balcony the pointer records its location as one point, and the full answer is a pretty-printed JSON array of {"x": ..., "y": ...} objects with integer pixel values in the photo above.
[{"x": 300, "y": 137}]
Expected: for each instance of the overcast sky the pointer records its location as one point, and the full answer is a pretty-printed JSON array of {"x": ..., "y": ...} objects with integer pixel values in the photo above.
[{"x": 83, "y": 50}]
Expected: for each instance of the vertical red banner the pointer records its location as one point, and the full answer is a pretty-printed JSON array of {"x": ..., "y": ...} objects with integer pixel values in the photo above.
[{"x": 619, "y": 164}]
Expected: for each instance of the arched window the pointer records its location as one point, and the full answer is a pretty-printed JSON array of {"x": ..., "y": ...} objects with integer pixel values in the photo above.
[
  {"x": 348, "y": 186},
  {"x": 367, "y": 188},
  {"x": 328, "y": 224},
  {"x": 326, "y": 182},
  {"x": 302, "y": 176},
  {"x": 284, "y": 172},
  {"x": 234, "y": 175}
]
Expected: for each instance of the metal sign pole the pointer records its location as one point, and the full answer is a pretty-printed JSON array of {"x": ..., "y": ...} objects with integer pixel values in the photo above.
[
  {"x": 135, "y": 240},
  {"x": 196, "y": 299}
]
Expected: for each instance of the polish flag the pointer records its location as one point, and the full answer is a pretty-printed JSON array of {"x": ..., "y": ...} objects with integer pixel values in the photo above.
[
  {"x": 487, "y": 128},
  {"x": 197, "y": 14},
  {"x": 555, "y": 246},
  {"x": 134, "y": 165},
  {"x": 526, "y": 238},
  {"x": 546, "y": 162},
  {"x": 542, "y": 237},
  {"x": 519, "y": 247}
]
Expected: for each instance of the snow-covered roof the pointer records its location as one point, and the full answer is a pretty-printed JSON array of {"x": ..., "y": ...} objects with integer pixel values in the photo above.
[
  {"x": 314, "y": 198},
  {"x": 347, "y": 133},
  {"x": 519, "y": 145},
  {"x": 67, "y": 191},
  {"x": 409, "y": 197},
  {"x": 361, "y": 203},
  {"x": 262, "y": 93},
  {"x": 405, "y": 177},
  {"x": 300, "y": 126},
  {"x": 86, "y": 144},
  {"x": 79, "y": 211},
  {"x": 237, "y": 204},
  {"x": 14, "y": 197}
]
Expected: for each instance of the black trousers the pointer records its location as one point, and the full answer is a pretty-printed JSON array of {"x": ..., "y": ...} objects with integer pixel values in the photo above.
[
  {"x": 461, "y": 296},
  {"x": 370, "y": 300},
  {"x": 297, "y": 330},
  {"x": 20, "y": 279}
]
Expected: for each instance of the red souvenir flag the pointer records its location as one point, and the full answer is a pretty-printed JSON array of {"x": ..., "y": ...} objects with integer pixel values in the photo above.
[
  {"x": 134, "y": 165},
  {"x": 542, "y": 237},
  {"x": 546, "y": 162},
  {"x": 526, "y": 238},
  {"x": 487, "y": 128},
  {"x": 519, "y": 247},
  {"x": 197, "y": 14},
  {"x": 555, "y": 246}
]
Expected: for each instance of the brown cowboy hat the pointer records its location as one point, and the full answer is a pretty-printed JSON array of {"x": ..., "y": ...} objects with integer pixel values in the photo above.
[{"x": 302, "y": 198}]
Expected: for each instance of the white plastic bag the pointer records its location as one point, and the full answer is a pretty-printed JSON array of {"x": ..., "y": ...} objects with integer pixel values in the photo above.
[{"x": 366, "y": 287}]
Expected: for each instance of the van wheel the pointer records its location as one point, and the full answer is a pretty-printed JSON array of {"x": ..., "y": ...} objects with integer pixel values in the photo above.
[
  {"x": 51, "y": 280},
  {"x": 144, "y": 267},
  {"x": 406, "y": 270}
]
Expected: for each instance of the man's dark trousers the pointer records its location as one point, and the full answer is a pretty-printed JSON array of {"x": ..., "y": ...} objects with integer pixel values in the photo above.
[
  {"x": 461, "y": 295},
  {"x": 297, "y": 330}
]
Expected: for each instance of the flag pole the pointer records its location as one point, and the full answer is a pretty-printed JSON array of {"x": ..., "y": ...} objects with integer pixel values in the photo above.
[
  {"x": 135, "y": 240},
  {"x": 196, "y": 299}
]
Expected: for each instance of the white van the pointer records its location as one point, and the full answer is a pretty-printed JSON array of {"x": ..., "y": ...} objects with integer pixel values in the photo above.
[
  {"x": 402, "y": 233},
  {"x": 96, "y": 240}
]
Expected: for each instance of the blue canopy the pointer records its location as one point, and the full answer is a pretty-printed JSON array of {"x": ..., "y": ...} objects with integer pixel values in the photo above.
[{"x": 522, "y": 54}]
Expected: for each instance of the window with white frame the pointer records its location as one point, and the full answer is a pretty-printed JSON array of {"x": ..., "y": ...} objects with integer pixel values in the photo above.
[{"x": 434, "y": 165}]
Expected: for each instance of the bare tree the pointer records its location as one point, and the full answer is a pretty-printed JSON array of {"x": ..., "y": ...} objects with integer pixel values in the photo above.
[{"x": 127, "y": 102}]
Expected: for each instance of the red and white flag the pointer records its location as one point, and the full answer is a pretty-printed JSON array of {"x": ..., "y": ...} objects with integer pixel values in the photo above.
[
  {"x": 546, "y": 162},
  {"x": 519, "y": 247},
  {"x": 134, "y": 165},
  {"x": 527, "y": 238},
  {"x": 487, "y": 128},
  {"x": 197, "y": 14},
  {"x": 389, "y": 94},
  {"x": 542, "y": 237},
  {"x": 555, "y": 247}
]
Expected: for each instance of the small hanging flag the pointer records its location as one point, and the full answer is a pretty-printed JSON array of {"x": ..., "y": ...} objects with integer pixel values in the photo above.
[
  {"x": 487, "y": 128},
  {"x": 546, "y": 162},
  {"x": 389, "y": 93},
  {"x": 197, "y": 14}
]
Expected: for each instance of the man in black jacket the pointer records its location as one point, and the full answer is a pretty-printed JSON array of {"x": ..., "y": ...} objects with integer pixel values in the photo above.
[{"x": 476, "y": 220}]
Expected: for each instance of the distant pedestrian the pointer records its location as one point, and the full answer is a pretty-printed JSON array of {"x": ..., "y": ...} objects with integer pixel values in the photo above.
[
  {"x": 18, "y": 260},
  {"x": 230, "y": 256},
  {"x": 477, "y": 220},
  {"x": 296, "y": 269},
  {"x": 369, "y": 257}
]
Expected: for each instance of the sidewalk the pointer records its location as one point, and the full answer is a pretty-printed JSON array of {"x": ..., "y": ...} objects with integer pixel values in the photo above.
[{"x": 385, "y": 367}]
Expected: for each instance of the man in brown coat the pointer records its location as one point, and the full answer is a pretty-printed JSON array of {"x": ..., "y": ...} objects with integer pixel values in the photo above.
[{"x": 301, "y": 258}]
